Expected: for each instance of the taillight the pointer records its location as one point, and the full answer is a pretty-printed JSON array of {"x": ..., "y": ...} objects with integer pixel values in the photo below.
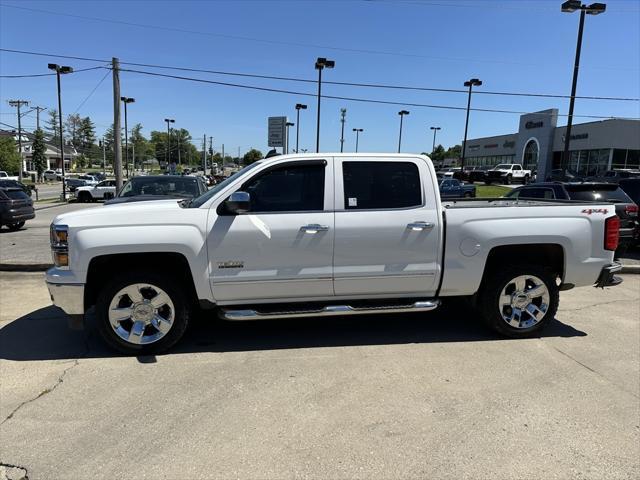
[
  {"x": 611, "y": 233},
  {"x": 631, "y": 210}
]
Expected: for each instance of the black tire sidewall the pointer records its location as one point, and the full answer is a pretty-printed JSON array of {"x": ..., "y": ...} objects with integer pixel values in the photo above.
[
  {"x": 492, "y": 288},
  {"x": 181, "y": 314}
]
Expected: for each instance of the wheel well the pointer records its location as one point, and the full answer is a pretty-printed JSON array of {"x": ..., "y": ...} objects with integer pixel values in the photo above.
[
  {"x": 103, "y": 268},
  {"x": 548, "y": 254}
]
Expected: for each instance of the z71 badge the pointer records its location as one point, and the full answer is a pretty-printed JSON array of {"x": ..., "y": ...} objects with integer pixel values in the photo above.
[{"x": 231, "y": 264}]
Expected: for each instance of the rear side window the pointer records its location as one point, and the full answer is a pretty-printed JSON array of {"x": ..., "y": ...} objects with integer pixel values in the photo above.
[
  {"x": 377, "y": 185},
  {"x": 597, "y": 194},
  {"x": 293, "y": 188},
  {"x": 16, "y": 195},
  {"x": 543, "y": 193}
]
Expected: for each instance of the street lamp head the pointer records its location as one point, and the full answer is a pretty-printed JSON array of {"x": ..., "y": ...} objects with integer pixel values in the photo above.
[
  {"x": 66, "y": 70},
  {"x": 128, "y": 99},
  {"x": 300, "y": 106},
  {"x": 358, "y": 129},
  {"x": 435, "y": 128},
  {"x": 403, "y": 112},
  {"x": 596, "y": 9},
  {"x": 289, "y": 124},
  {"x": 473, "y": 82},
  {"x": 169, "y": 120},
  {"x": 571, "y": 6},
  {"x": 322, "y": 62}
]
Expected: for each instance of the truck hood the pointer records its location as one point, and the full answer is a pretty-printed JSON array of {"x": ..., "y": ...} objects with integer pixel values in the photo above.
[{"x": 124, "y": 214}]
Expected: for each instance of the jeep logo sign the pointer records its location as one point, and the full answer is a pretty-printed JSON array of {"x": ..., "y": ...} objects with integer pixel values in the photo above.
[{"x": 530, "y": 124}]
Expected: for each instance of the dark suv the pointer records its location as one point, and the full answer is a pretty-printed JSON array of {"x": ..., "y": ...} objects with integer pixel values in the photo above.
[
  {"x": 598, "y": 192},
  {"x": 15, "y": 208}
]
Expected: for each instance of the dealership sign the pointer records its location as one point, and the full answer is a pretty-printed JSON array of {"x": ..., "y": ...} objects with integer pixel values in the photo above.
[
  {"x": 277, "y": 131},
  {"x": 529, "y": 125}
]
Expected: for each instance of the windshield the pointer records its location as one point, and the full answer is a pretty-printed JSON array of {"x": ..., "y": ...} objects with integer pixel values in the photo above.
[
  {"x": 202, "y": 199},
  {"x": 503, "y": 166},
  {"x": 169, "y": 186}
]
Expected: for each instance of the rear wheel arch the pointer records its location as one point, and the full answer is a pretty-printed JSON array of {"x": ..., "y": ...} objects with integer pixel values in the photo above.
[{"x": 550, "y": 255}]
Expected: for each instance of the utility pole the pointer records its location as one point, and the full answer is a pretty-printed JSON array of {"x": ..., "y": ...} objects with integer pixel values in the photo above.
[
  {"x": 223, "y": 154},
  {"x": 104, "y": 157},
  {"x": 210, "y": 153},
  {"x": 18, "y": 104},
  {"x": 38, "y": 110},
  {"x": 238, "y": 155},
  {"x": 117, "y": 141},
  {"x": 343, "y": 114}
]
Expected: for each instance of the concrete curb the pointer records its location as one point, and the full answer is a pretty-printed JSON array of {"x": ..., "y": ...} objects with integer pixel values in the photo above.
[
  {"x": 42, "y": 267},
  {"x": 44, "y": 207}
]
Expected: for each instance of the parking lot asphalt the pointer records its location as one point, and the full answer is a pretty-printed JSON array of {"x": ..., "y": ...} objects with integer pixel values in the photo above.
[
  {"x": 403, "y": 396},
  {"x": 30, "y": 244}
]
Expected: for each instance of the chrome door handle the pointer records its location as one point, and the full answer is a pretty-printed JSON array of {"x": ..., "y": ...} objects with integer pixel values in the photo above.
[
  {"x": 417, "y": 226},
  {"x": 314, "y": 228}
]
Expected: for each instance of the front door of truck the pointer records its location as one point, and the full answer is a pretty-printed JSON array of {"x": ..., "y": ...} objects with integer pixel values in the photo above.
[
  {"x": 388, "y": 228},
  {"x": 283, "y": 247}
]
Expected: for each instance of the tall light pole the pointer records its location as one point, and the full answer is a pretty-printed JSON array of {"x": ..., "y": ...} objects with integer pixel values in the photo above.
[
  {"x": 343, "y": 114},
  {"x": 402, "y": 113},
  {"x": 18, "y": 104},
  {"x": 127, "y": 100},
  {"x": 166, "y": 152},
  {"x": 299, "y": 106},
  {"x": 571, "y": 6},
  {"x": 61, "y": 70},
  {"x": 288, "y": 124},
  {"x": 474, "y": 82},
  {"x": 321, "y": 63},
  {"x": 358, "y": 131},
  {"x": 435, "y": 129}
]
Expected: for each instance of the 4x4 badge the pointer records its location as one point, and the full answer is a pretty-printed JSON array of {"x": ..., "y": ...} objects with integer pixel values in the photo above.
[{"x": 231, "y": 264}]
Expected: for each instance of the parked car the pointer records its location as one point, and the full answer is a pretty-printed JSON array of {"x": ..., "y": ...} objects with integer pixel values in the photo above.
[
  {"x": 159, "y": 187},
  {"x": 452, "y": 188},
  {"x": 73, "y": 183},
  {"x": 89, "y": 179},
  {"x": 101, "y": 177},
  {"x": 479, "y": 173},
  {"x": 560, "y": 175},
  {"x": 625, "y": 207},
  {"x": 15, "y": 208},
  {"x": 507, "y": 173},
  {"x": 614, "y": 176},
  {"x": 631, "y": 187},
  {"x": 5, "y": 176},
  {"x": 28, "y": 189},
  {"x": 301, "y": 236},
  {"x": 102, "y": 191}
]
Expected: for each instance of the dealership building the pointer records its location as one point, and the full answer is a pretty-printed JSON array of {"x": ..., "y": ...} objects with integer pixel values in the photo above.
[{"x": 538, "y": 145}]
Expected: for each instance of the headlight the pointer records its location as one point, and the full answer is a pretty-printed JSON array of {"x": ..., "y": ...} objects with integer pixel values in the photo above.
[{"x": 60, "y": 245}]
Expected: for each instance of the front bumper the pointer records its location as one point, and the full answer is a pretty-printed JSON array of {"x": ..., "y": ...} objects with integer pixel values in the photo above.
[
  {"x": 69, "y": 297},
  {"x": 607, "y": 277}
]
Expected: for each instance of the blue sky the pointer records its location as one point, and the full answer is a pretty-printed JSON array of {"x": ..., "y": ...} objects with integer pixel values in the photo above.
[{"x": 514, "y": 46}]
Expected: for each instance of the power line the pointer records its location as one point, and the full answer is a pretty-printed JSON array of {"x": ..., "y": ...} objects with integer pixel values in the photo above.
[
  {"x": 93, "y": 91},
  {"x": 350, "y": 84},
  {"x": 279, "y": 42},
  {"x": 47, "y": 74},
  {"x": 353, "y": 99}
]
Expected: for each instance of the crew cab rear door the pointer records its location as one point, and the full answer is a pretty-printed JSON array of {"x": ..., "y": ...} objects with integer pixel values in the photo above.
[{"x": 387, "y": 227}]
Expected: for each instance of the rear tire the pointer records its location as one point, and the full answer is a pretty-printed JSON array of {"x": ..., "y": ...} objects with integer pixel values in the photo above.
[
  {"x": 15, "y": 226},
  {"x": 525, "y": 180},
  {"x": 519, "y": 301},
  {"x": 84, "y": 197},
  {"x": 467, "y": 194},
  {"x": 508, "y": 181},
  {"x": 134, "y": 326}
]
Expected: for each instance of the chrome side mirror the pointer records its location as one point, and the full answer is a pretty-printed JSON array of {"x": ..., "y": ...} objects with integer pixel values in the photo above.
[{"x": 238, "y": 202}]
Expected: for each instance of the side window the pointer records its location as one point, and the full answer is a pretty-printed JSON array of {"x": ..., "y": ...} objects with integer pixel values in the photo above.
[
  {"x": 290, "y": 188},
  {"x": 446, "y": 184},
  {"x": 455, "y": 183},
  {"x": 517, "y": 167},
  {"x": 542, "y": 193},
  {"x": 375, "y": 185}
]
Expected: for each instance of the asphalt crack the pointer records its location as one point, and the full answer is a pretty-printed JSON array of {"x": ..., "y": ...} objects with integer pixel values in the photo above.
[
  {"x": 50, "y": 389},
  {"x": 13, "y": 472},
  {"x": 598, "y": 304}
]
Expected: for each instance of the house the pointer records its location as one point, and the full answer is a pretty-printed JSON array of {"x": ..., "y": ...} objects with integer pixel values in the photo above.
[{"x": 52, "y": 152}]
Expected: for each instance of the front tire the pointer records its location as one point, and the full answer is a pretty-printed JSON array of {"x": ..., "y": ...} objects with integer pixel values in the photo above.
[
  {"x": 142, "y": 313},
  {"x": 84, "y": 197},
  {"x": 16, "y": 226},
  {"x": 519, "y": 301},
  {"x": 508, "y": 181}
]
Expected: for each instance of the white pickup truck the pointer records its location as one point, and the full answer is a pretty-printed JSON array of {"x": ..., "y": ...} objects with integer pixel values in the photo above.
[
  {"x": 5, "y": 176},
  {"x": 508, "y": 173},
  {"x": 324, "y": 234}
]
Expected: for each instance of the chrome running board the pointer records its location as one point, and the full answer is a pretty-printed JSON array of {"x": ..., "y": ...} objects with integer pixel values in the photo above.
[{"x": 328, "y": 310}]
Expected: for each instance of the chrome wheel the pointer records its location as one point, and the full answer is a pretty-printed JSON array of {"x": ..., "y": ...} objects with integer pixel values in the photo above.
[
  {"x": 141, "y": 313},
  {"x": 524, "y": 301}
]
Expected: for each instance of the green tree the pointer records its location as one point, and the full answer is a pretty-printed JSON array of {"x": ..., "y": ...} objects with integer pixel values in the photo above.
[
  {"x": 454, "y": 152},
  {"x": 139, "y": 144},
  {"x": 438, "y": 154},
  {"x": 252, "y": 156},
  {"x": 52, "y": 127},
  {"x": 73, "y": 127},
  {"x": 87, "y": 133},
  {"x": 9, "y": 157},
  {"x": 38, "y": 153}
]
